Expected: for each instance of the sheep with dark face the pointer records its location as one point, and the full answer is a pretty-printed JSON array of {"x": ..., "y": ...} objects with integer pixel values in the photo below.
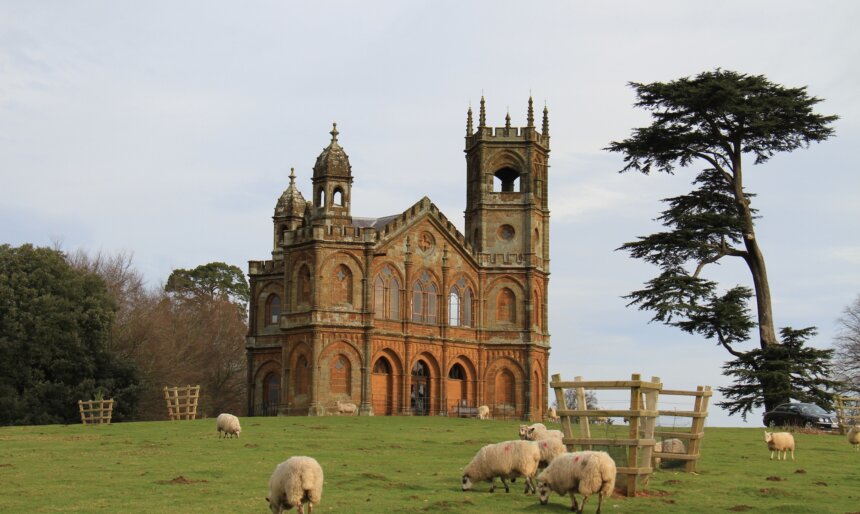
[
  {"x": 585, "y": 473},
  {"x": 295, "y": 481},
  {"x": 507, "y": 460}
]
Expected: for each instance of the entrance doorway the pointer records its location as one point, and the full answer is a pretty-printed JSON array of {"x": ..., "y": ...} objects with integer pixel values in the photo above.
[{"x": 420, "y": 390}]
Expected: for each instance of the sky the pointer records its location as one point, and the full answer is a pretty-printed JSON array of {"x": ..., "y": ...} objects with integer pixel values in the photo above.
[{"x": 167, "y": 129}]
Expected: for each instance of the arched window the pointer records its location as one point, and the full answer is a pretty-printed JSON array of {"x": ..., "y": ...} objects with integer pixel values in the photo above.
[
  {"x": 342, "y": 285},
  {"x": 424, "y": 294},
  {"x": 302, "y": 375},
  {"x": 341, "y": 376},
  {"x": 506, "y": 307},
  {"x": 467, "y": 308},
  {"x": 303, "y": 286},
  {"x": 457, "y": 372},
  {"x": 505, "y": 387},
  {"x": 394, "y": 299},
  {"x": 273, "y": 310},
  {"x": 507, "y": 180},
  {"x": 337, "y": 197},
  {"x": 536, "y": 307},
  {"x": 379, "y": 298},
  {"x": 454, "y": 307},
  {"x": 386, "y": 295},
  {"x": 321, "y": 197}
]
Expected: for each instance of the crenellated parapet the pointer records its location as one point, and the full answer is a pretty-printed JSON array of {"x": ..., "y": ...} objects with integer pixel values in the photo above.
[{"x": 265, "y": 267}]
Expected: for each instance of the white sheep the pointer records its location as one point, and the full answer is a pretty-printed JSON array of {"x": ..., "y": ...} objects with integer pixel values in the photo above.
[
  {"x": 538, "y": 433},
  {"x": 346, "y": 408},
  {"x": 295, "y": 481},
  {"x": 550, "y": 448},
  {"x": 509, "y": 459},
  {"x": 524, "y": 429},
  {"x": 552, "y": 415},
  {"x": 585, "y": 473},
  {"x": 854, "y": 437},
  {"x": 668, "y": 446},
  {"x": 229, "y": 424},
  {"x": 483, "y": 412},
  {"x": 781, "y": 443}
]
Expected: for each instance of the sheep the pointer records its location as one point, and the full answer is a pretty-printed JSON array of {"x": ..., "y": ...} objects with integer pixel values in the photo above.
[
  {"x": 552, "y": 415},
  {"x": 586, "y": 473},
  {"x": 346, "y": 408},
  {"x": 550, "y": 448},
  {"x": 524, "y": 429},
  {"x": 483, "y": 412},
  {"x": 509, "y": 459},
  {"x": 229, "y": 424},
  {"x": 781, "y": 443},
  {"x": 854, "y": 437},
  {"x": 668, "y": 446},
  {"x": 535, "y": 433},
  {"x": 295, "y": 481}
]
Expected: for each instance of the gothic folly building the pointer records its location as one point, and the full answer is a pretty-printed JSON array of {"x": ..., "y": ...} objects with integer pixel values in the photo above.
[{"x": 404, "y": 314}]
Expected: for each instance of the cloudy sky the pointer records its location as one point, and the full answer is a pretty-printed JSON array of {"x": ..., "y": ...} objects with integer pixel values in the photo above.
[{"x": 168, "y": 129}]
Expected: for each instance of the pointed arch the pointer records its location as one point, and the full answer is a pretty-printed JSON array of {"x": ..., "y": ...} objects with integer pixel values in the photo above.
[
  {"x": 273, "y": 309},
  {"x": 303, "y": 286},
  {"x": 506, "y": 306},
  {"x": 342, "y": 285}
]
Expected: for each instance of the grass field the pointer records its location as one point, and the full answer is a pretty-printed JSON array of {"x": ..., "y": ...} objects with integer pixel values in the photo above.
[{"x": 382, "y": 464}]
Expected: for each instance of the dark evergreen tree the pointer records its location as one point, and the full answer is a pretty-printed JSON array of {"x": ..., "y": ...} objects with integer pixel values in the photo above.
[
  {"x": 54, "y": 325},
  {"x": 716, "y": 119}
]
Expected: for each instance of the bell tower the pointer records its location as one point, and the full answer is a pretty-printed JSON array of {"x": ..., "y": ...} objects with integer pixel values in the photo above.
[
  {"x": 507, "y": 211},
  {"x": 332, "y": 183}
]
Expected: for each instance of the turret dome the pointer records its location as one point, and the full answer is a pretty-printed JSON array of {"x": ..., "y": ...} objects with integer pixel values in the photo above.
[
  {"x": 291, "y": 202},
  {"x": 333, "y": 161}
]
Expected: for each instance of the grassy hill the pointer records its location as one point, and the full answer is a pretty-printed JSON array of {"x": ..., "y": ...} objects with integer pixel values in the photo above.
[{"x": 381, "y": 464}]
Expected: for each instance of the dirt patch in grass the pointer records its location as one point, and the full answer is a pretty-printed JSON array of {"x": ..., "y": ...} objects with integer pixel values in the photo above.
[
  {"x": 800, "y": 471},
  {"x": 440, "y": 506},
  {"x": 673, "y": 482},
  {"x": 5, "y": 465},
  {"x": 654, "y": 493},
  {"x": 374, "y": 476},
  {"x": 740, "y": 508},
  {"x": 250, "y": 445},
  {"x": 774, "y": 479},
  {"x": 821, "y": 483},
  {"x": 180, "y": 480}
]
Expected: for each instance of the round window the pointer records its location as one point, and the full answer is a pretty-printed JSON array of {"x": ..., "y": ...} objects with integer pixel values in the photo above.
[{"x": 506, "y": 232}]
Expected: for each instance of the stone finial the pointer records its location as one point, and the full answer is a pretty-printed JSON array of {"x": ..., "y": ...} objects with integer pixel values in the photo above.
[
  {"x": 530, "y": 117},
  {"x": 292, "y": 176},
  {"x": 469, "y": 121},
  {"x": 482, "y": 115},
  {"x": 508, "y": 120},
  {"x": 545, "y": 127},
  {"x": 334, "y": 133}
]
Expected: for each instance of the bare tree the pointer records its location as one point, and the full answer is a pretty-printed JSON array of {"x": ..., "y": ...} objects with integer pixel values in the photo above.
[{"x": 846, "y": 361}]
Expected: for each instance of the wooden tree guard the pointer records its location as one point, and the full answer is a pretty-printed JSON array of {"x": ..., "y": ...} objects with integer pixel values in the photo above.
[
  {"x": 697, "y": 429},
  {"x": 182, "y": 402},
  {"x": 95, "y": 412},
  {"x": 844, "y": 406},
  {"x": 642, "y": 415}
]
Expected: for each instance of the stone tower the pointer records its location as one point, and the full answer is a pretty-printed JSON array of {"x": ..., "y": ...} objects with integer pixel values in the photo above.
[{"x": 332, "y": 183}]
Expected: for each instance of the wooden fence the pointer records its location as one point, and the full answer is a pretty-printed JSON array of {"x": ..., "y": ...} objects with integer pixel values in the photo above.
[
  {"x": 95, "y": 412},
  {"x": 702, "y": 395},
  {"x": 642, "y": 416},
  {"x": 847, "y": 411},
  {"x": 182, "y": 402}
]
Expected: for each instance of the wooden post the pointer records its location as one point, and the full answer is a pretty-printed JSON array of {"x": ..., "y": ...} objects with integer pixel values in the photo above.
[
  {"x": 95, "y": 411},
  {"x": 698, "y": 427},
  {"x": 584, "y": 428},
  {"x": 562, "y": 406}
]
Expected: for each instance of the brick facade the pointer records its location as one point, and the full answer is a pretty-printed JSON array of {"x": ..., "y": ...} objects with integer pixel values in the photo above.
[{"x": 404, "y": 315}]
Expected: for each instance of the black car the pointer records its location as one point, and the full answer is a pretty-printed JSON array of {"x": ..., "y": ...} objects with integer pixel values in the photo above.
[{"x": 806, "y": 415}]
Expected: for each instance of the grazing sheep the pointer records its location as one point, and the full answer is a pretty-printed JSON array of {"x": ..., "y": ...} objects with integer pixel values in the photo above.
[
  {"x": 535, "y": 433},
  {"x": 668, "y": 446},
  {"x": 552, "y": 415},
  {"x": 854, "y": 437},
  {"x": 229, "y": 424},
  {"x": 509, "y": 459},
  {"x": 585, "y": 473},
  {"x": 483, "y": 412},
  {"x": 781, "y": 443},
  {"x": 524, "y": 429},
  {"x": 295, "y": 481},
  {"x": 346, "y": 408},
  {"x": 550, "y": 448}
]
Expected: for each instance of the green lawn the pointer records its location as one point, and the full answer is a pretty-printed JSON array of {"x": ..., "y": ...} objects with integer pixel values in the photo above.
[{"x": 381, "y": 464}]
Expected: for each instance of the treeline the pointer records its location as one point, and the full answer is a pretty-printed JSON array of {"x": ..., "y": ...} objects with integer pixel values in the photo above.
[{"x": 79, "y": 326}]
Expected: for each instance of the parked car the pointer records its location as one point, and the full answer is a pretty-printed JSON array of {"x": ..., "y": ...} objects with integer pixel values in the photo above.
[{"x": 806, "y": 415}]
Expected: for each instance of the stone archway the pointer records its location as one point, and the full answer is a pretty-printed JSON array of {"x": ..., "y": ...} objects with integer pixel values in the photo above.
[{"x": 420, "y": 389}]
